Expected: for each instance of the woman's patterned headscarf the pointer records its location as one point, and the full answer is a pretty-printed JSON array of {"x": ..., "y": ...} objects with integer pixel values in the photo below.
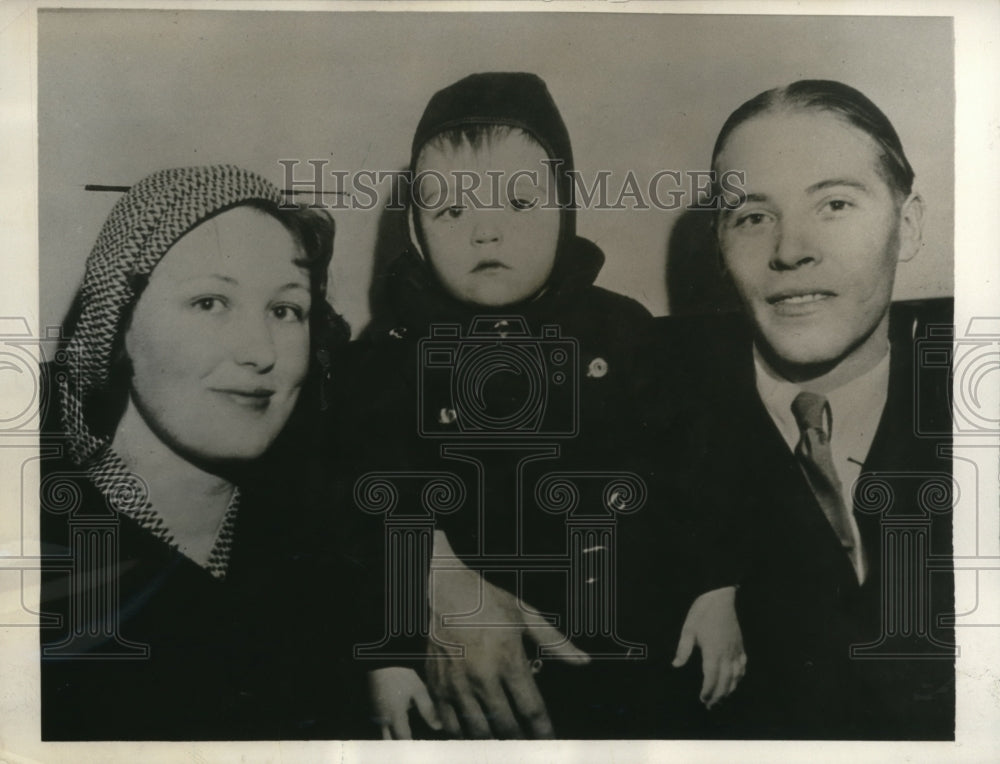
[{"x": 142, "y": 226}]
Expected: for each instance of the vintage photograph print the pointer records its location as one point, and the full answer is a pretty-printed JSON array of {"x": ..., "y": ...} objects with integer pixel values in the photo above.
[{"x": 439, "y": 373}]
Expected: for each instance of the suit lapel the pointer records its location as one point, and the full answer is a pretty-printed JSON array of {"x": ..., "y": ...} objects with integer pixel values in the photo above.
[
  {"x": 800, "y": 522},
  {"x": 791, "y": 518}
]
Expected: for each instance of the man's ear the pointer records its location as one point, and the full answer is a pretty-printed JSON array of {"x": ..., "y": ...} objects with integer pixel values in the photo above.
[{"x": 911, "y": 227}]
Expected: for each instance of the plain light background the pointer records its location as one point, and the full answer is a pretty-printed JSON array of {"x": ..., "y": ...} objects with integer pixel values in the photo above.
[{"x": 124, "y": 93}]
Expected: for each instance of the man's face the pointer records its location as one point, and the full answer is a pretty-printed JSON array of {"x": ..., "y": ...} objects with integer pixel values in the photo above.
[
  {"x": 813, "y": 251},
  {"x": 500, "y": 254}
]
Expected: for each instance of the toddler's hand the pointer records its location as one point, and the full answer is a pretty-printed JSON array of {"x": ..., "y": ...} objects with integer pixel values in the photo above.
[
  {"x": 712, "y": 626},
  {"x": 393, "y": 692}
]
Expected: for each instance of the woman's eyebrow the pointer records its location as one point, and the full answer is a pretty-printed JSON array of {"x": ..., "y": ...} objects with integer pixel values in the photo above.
[
  {"x": 205, "y": 276},
  {"x": 293, "y": 285}
]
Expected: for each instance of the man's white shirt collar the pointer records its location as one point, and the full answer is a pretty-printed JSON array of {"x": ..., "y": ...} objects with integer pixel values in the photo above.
[{"x": 856, "y": 409}]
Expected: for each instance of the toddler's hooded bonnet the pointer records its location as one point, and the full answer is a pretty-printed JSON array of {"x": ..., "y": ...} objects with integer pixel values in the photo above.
[
  {"x": 519, "y": 100},
  {"x": 514, "y": 99}
]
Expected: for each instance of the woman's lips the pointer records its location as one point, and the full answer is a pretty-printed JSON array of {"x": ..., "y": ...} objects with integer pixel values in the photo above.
[{"x": 257, "y": 398}]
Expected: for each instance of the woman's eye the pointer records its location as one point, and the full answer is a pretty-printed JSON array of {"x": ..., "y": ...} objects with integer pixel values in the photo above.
[
  {"x": 523, "y": 204},
  {"x": 209, "y": 304},
  {"x": 289, "y": 313}
]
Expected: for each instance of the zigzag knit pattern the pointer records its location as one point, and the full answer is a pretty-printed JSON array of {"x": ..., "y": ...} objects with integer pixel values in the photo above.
[{"x": 127, "y": 493}]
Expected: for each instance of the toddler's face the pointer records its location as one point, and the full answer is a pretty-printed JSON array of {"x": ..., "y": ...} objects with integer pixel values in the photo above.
[{"x": 496, "y": 244}]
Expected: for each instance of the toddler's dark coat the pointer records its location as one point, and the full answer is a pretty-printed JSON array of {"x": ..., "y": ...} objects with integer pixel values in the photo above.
[{"x": 388, "y": 395}]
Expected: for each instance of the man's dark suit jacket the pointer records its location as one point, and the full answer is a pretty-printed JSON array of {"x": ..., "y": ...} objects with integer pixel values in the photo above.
[{"x": 827, "y": 658}]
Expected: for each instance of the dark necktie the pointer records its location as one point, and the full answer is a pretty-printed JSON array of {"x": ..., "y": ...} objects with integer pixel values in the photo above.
[{"x": 812, "y": 414}]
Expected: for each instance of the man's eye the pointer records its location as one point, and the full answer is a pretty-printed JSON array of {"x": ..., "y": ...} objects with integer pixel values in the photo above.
[
  {"x": 523, "y": 204},
  {"x": 838, "y": 205},
  {"x": 209, "y": 304}
]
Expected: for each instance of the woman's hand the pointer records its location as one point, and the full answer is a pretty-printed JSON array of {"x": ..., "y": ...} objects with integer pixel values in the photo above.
[
  {"x": 394, "y": 691},
  {"x": 713, "y": 627}
]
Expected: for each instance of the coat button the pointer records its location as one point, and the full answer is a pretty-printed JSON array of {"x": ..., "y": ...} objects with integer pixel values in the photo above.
[{"x": 597, "y": 368}]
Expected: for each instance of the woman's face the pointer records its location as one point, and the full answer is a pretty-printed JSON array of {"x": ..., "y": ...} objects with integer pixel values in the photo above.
[{"x": 219, "y": 339}]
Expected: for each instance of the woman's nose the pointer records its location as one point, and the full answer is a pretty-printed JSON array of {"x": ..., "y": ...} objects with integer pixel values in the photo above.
[
  {"x": 254, "y": 343},
  {"x": 793, "y": 247}
]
